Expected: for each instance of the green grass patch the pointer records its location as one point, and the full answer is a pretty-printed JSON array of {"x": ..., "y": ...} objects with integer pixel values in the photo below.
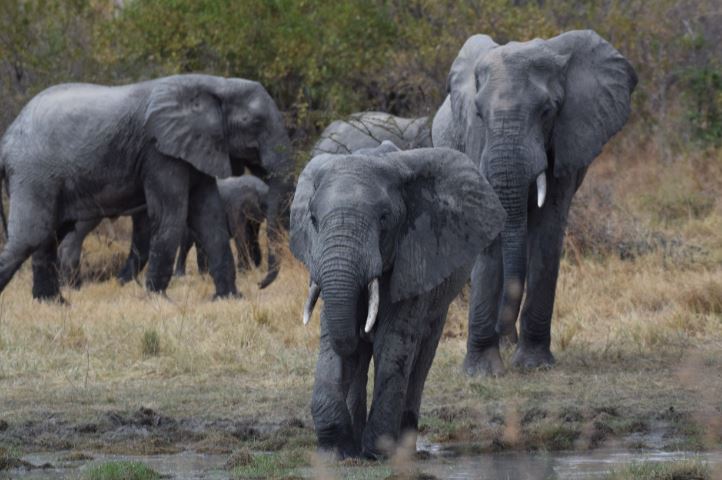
[
  {"x": 681, "y": 470},
  {"x": 122, "y": 471},
  {"x": 151, "y": 343},
  {"x": 274, "y": 465}
]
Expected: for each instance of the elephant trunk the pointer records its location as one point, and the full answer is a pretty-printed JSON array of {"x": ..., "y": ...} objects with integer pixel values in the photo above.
[
  {"x": 508, "y": 175},
  {"x": 276, "y": 154},
  {"x": 344, "y": 273}
]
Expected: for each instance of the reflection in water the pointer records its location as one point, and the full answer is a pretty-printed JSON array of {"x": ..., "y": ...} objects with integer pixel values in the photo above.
[{"x": 518, "y": 466}]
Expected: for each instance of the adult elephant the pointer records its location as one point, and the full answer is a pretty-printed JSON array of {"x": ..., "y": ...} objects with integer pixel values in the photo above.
[
  {"x": 369, "y": 129},
  {"x": 80, "y": 152},
  {"x": 388, "y": 238},
  {"x": 533, "y": 115},
  {"x": 245, "y": 199}
]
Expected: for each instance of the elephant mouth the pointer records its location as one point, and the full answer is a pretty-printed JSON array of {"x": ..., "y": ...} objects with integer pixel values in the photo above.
[{"x": 314, "y": 292}]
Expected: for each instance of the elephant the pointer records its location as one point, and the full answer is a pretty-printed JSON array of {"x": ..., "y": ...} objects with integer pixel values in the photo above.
[
  {"x": 533, "y": 115},
  {"x": 79, "y": 152},
  {"x": 244, "y": 200},
  {"x": 369, "y": 129},
  {"x": 389, "y": 238}
]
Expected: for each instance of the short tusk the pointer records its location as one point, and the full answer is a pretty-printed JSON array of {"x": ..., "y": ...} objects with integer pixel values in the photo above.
[
  {"x": 541, "y": 189},
  {"x": 373, "y": 305},
  {"x": 313, "y": 292}
]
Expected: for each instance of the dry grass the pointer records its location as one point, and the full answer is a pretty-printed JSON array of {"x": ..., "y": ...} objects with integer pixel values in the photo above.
[{"x": 633, "y": 336}]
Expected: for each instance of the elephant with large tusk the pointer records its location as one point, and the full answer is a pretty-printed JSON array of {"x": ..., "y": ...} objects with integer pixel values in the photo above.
[
  {"x": 389, "y": 238},
  {"x": 533, "y": 116}
]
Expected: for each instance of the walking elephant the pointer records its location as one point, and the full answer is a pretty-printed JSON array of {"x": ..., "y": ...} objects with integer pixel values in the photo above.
[
  {"x": 369, "y": 129},
  {"x": 389, "y": 238},
  {"x": 533, "y": 115},
  {"x": 80, "y": 152}
]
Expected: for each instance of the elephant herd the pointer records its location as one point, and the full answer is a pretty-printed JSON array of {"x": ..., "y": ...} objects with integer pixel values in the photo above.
[{"x": 391, "y": 216}]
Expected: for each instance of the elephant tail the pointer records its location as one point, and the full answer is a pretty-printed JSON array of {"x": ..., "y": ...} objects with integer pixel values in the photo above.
[{"x": 2, "y": 205}]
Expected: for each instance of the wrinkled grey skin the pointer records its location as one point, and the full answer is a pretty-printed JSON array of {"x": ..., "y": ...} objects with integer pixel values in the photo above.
[
  {"x": 520, "y": 110},
  {"x": 80, "y": 152},
  {"x": 413, "y": 220},
  {"x": 369, "y": 129},
  {"x": 245, "y": 201}
]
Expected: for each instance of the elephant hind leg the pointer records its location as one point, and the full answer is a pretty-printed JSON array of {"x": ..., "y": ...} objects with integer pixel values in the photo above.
[
  {"x": 46, "y": 282},
  {"x": 185, "y": 246},
  {"x": 30, "y": 225},
  {"x": 139, "y": 248}
]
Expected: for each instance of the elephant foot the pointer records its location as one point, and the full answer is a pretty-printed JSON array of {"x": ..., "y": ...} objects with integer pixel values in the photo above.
[
  {"x": 486, "y": 363},
  {"x": 227, "y": 296},
  {"x": 179, "y": 272},
  {"x": 124, "y": 277},
  {"x": 57, "y": 299},
  {"x": 530, "y": 357}
]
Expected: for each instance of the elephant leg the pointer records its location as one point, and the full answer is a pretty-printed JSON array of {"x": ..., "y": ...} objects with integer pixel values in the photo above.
[
  {"x": 207, "y": 220},
  {"x": 30, "y": 224},
  {"x": 482, "y": 344},
  {"x": 185, "y": 247},
  {"x": 46, "y": 281},
  {"x": 546, "y": 236},
  {"x": 70, "y": 249},
  {"x": 356, "y": 399},
  {"x": 424, "y": 358},
  {"x": 254, "y": 246},
  {"x": 395, "y": 346},
  {"x": 166, "y": 192},
  {"x": 202, "y": 258},
  {"x": 331, "y": 417},
  {"x": 139, "y": 248},
  {"x": 240, "y": 231}
]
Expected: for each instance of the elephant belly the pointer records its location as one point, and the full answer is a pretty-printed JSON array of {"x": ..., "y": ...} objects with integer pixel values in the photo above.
[{"x": 84, "y": 200}]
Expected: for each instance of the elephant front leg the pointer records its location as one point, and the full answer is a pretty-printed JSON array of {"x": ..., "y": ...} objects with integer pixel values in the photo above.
[
  {"x": 331, "y": 417},
  {"x": 482, "y": 345},
  {"x": 207, "y": 220},
  {"x": 546, "y": 237},
  {"x": 394, "y": 353}
]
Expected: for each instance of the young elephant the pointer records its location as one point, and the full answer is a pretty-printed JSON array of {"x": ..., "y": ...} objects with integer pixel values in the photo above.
[
  {"x": 80, "y": 152},
  {"x": 369, "y": 129},
  {"x": 533, "y": 116},
  {"x": 245, "y": 200},
  {"x": 389, "y": 238}
]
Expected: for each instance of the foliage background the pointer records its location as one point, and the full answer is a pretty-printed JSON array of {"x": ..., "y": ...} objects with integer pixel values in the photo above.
[{"x": 321, "y": 60}]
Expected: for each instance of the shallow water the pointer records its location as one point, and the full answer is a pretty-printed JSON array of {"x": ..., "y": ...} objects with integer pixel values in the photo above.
[{"x": 522, "y": 466}]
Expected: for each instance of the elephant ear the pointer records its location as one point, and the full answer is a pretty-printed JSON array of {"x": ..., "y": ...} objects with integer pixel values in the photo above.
[
  {"x": 185, "y": 117},
  {"x": 302, "y": 234},
  {"x": 452, "y": 213},
  {"x": 462, "y": 90},
  {"x": 599, "y": 85}
]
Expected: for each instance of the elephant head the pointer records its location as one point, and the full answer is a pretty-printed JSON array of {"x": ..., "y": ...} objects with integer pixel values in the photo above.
[
  {"x": 527, "y": 110},
  {"x": 217, "y": 124},
  {"x": 407, "y": 220}
]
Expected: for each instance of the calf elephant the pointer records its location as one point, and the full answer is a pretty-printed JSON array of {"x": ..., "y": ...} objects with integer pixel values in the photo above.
[
  {"x": 388, "y": 238},
  {"x": 369, "y": 129},
  {"x": 533, "y": 115},
  {"x": 80, "y": 152}
]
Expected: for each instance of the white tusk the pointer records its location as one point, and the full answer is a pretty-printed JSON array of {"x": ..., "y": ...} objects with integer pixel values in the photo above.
[
  {"x": 541, "y": 189},
  {"x": 373, "y": 305},
  {"x": 313, "y": 292}
]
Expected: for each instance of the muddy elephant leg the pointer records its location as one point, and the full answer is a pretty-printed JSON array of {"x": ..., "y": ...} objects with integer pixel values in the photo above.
[
  {"x": 139, "y": 248},
  {"x": 46, "y": 279},
  {"x": 482, "y": 344},
  {"x": 166, "y": 193},
  {"x": 424, "y": 358},
  {"x": 395, "y": 346},
  {"x": 356, "y": 398},
  {"x": 207, "y": 221},
  {"x": 331, "y": 417},
  {"x": 185, "y": 247},
  {"x": 546, "y": 236}
]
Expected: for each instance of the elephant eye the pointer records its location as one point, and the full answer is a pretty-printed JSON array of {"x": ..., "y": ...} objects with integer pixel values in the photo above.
[
  {"x": 384, "y": 219},
  {"x": 314, "y": 222}
]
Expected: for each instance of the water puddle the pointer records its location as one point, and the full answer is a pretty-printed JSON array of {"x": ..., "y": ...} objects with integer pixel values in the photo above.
[{"x": 532, "y": 466}]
